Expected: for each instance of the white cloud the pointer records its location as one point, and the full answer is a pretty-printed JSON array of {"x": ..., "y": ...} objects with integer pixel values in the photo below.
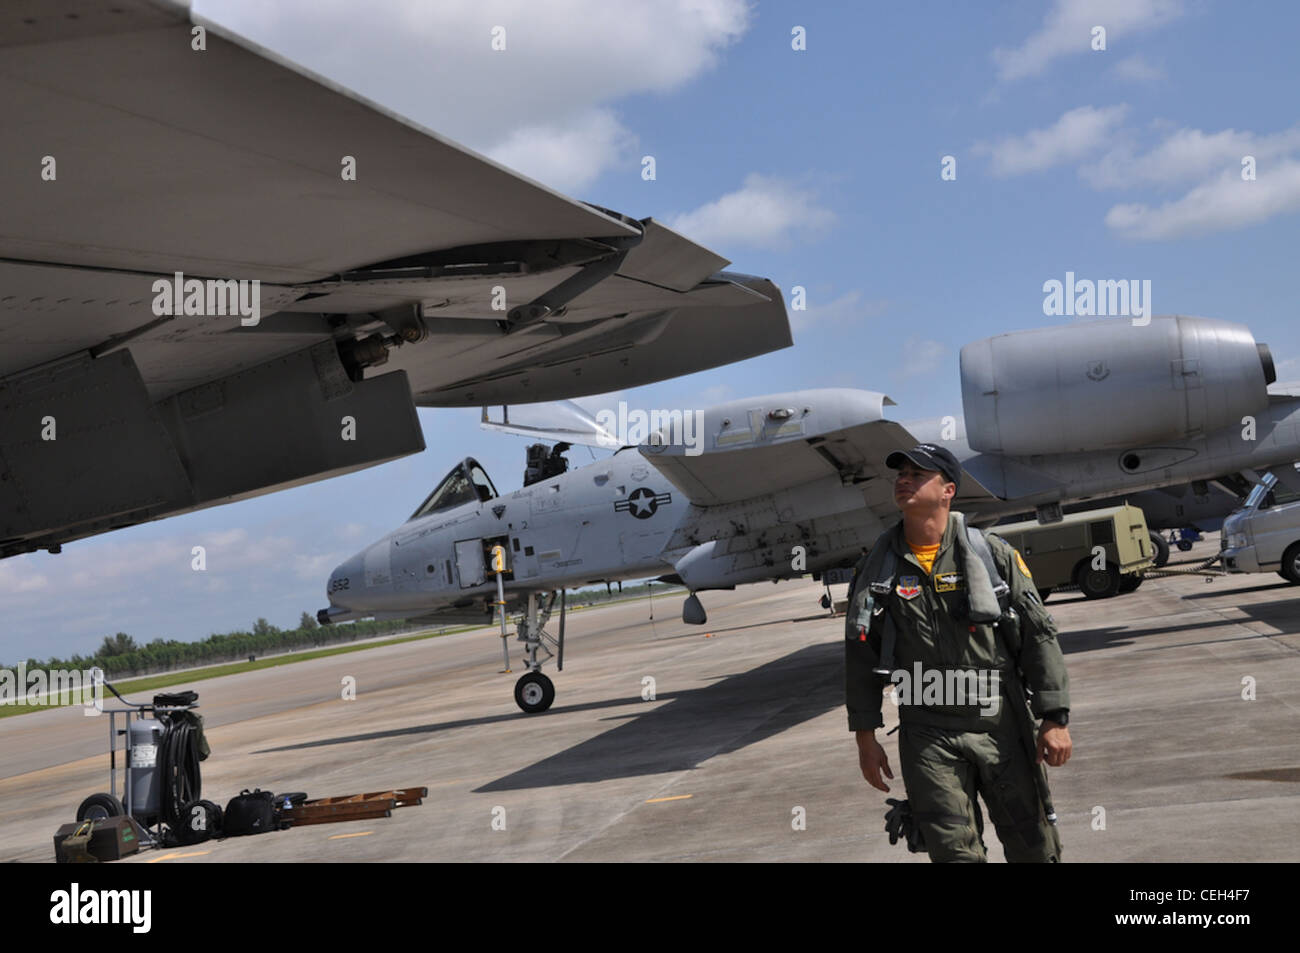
[
  {"x": 848, "y": 307},
  {"x": 316, "y": 568},
  {"x": 1076, "y": 134},
  {"x": 1224, "y": 202},
  {"x": 1209, "y": 164},
  {"x": 1187, "y": 155},
  {"x": 148, "y": 588},
  {"x": 766, "y": 212},
  {"x": 717, "y": 394},
  {"x": 1067, "y": 31},
  {"x": 17, "y": 575},
  {"x": 1137, "y": 69},
  {"x": 568, "y": 155},
  {"x": 920, "y": 357},
  {"x": 541, "y": 104}
]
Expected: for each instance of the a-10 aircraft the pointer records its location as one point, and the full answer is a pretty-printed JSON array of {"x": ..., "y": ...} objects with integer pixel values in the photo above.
[{"x": 796, "y": 482}]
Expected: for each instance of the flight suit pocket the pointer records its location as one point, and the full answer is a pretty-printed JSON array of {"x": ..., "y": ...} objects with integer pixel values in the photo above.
[{"x": 1013, "y": 807}]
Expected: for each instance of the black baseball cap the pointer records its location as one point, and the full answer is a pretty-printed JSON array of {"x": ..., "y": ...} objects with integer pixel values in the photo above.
[{"x": 928, "y": 456}]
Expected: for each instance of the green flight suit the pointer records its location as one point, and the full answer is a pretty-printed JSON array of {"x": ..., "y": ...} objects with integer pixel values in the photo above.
[{"x": 951, "y": 751}]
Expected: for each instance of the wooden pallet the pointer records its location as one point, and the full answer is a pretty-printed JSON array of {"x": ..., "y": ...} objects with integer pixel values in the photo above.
[{"x": 354, "y": 807}]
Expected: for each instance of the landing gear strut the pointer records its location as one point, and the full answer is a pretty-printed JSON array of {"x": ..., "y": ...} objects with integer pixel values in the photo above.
[{"x": 534, "y": 692}]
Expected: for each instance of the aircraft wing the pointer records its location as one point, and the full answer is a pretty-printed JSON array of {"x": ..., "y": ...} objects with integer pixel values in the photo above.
[
  {"x": 393, "y": 268},
  {"x": 751, "y": 448}
]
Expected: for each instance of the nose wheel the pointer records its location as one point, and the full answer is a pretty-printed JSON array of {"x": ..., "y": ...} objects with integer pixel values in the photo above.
[{"x": 534, "y": 692}]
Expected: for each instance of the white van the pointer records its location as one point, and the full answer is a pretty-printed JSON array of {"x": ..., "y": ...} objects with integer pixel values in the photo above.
[{"x": 1264, "y": 534}]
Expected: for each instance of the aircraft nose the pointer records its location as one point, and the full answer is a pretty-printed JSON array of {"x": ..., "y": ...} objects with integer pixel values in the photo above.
[{"x": 345, "y": 580}]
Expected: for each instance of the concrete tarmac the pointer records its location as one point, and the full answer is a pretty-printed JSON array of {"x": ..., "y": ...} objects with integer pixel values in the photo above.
[{"x": 1185, "y": 694}]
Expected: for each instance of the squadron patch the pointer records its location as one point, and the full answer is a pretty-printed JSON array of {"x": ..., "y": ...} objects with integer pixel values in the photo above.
[
  {"x": 1020, "y": 564},
  {"x": 909, "y": 587},
  {"x": 947, "y": 582}
]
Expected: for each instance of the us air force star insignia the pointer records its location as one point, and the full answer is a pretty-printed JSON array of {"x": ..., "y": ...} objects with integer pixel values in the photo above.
[
  {"x": 642, "y": 502},
  {"x": 909, "y": 587},
  {"x": 1020, "y": 564}
]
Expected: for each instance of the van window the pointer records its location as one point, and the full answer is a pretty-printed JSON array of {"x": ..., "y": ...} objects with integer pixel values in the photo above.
[{"x": 1279, "y": 496}]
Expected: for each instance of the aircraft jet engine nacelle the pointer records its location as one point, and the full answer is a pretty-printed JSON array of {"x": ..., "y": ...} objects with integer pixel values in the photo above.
[{"x": 1110, "y": 384}]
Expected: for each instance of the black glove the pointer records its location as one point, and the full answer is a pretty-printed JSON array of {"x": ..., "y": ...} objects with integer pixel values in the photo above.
[{"x": 900, "y": 825}]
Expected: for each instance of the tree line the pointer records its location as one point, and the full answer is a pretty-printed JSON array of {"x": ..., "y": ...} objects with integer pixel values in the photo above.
[{"x": 120, "y": 655}]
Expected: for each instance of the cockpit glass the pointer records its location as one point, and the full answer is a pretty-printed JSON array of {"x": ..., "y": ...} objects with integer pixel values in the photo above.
[{"x": 466, "y": 483}]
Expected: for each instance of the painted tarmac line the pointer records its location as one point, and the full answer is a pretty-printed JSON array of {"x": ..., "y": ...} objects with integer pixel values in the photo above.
[{"x": 194, "y": 853}]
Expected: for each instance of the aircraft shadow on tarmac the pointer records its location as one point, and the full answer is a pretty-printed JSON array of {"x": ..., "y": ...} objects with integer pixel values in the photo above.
[
  {"x": 699, "y": 724},
  {"x": 820, "y": 617},
  {"x": 1210, "y": 592},
  {"x": 682, "y": 730},
  {"x": 1280, "y": 614}
]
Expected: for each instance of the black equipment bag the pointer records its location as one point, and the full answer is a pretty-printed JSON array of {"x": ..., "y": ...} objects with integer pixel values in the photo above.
[
  {"x": 175, "y": 699},
  {"x": 250, "y": 813},
  {"x": 200, "y": 820}
]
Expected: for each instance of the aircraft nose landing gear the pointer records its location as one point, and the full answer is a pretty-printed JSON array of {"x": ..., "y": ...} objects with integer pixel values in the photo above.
[{"x": 534, "y": 692}]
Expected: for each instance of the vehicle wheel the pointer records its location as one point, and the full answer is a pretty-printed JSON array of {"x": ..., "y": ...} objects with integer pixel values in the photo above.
[
  {"x": 1291, "y": 564},
  {"x": 99, "y": 806},
  {"x": 826, "y": 602},
  {"x": 1184, "y": 545},
  {"x": 1044, "y": 593},
  {"x": 1128, "y": 582},
  {"x": 1160, "y": 548},
  {"x": 534, "y": 692},
  {"x": 1097, "y": 584}
]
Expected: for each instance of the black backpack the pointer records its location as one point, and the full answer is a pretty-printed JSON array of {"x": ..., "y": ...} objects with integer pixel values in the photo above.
[{"x": 250, "y": 813}]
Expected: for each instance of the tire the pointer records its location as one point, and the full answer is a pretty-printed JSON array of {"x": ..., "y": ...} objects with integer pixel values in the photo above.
[
  {"x": 1097, "y": 584},
  {"x": 1184, "y": 545},
  {"x": 1160, "y": 549},
  {"x": 99, "y": 806},
  {"x": 534, "y": 693},
  {"x": 1129, "y": 582},
  {"x": 1290, "y": 570},
  {"x": 1044, "y": 593}
]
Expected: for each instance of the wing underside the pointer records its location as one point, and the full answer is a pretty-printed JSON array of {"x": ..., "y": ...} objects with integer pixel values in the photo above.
[{"x": 212, "y": 259}]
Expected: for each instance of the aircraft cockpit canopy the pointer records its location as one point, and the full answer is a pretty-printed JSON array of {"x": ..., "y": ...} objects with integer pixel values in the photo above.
[{"x": 466, "y": 483}]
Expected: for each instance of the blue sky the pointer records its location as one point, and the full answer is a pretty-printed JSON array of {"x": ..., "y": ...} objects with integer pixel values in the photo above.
[{"x": 818, "y": 168}]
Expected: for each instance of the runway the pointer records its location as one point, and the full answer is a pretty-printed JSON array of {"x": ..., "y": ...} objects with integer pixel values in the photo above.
[{"x": 739, "y": 750}]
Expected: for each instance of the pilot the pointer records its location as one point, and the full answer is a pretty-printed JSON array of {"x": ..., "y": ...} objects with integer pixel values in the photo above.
[{"x": 937, "y": 622}]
